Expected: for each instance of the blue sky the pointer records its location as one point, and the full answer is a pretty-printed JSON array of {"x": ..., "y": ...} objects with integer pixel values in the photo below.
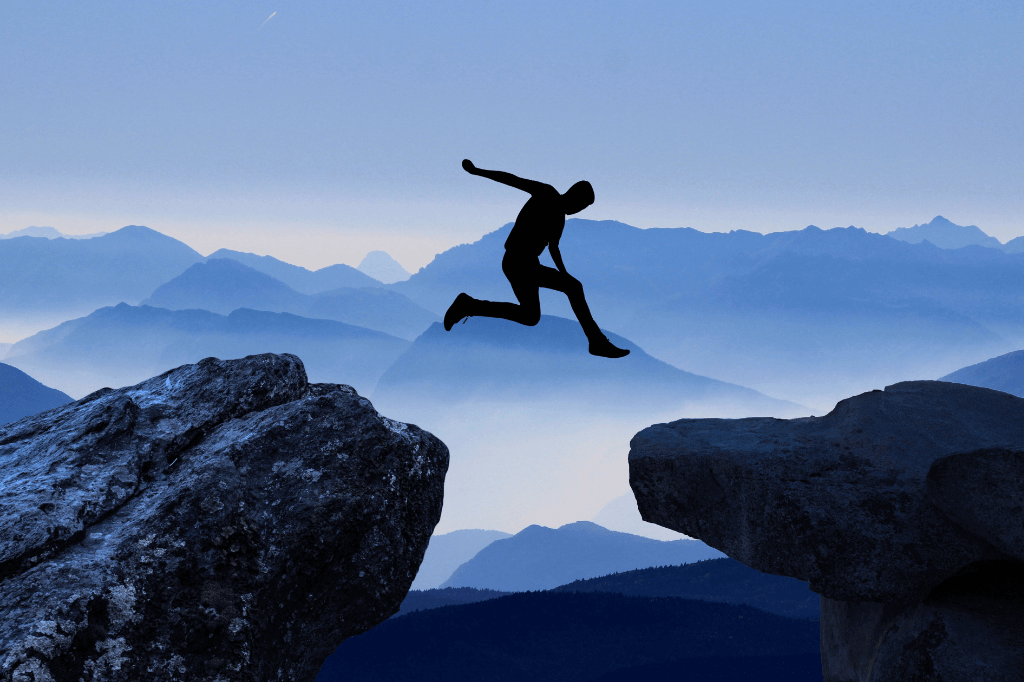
[{"x": 337, "y": 128}]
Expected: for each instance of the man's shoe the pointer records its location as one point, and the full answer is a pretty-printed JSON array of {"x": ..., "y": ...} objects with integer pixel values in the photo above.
[
  {"x": 457, "y": 310},
  {"x": 603, "y": 348}
]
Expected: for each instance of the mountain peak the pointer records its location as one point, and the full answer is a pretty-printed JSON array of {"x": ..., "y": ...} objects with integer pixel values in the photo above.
[
  {"x": 945, "y": 234},
  {"x": 381, "y": 266}
]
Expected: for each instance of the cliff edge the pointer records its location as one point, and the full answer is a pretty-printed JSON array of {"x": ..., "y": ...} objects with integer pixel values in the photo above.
[
  {"x": 224, "y": 521},
  {"x": 903, "y": 508}
]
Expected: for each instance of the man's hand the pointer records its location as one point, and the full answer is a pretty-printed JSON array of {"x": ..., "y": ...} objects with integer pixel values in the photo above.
[{"x": 468, "y": 166}]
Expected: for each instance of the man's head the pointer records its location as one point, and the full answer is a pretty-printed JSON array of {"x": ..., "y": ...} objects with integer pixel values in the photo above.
[{"x": 578, "y": 197}]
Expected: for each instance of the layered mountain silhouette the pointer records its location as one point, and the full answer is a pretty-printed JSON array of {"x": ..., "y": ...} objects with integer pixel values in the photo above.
[
  {"x": 945, "y": 234},
  {"x": 582, "y": 637},
  {"x": 539, "y": 558},
  {"x": 812, "y": 315},
  {"x": 448, "y": 551},
  {"x": 47, "y": 233},
  {"x": 70, "y": 277},
  {"x": 1004, "y": 373},
  {"x": 222, "y": 285},
  {"x": 122, "y": 345},
  {"x": 381, "y": 266},
  {"x": 299, "y": 278},
  {"x": 23, "y": 396},
  {"x": 493, "y": 359},
  {"x": 719, "y": 580}
]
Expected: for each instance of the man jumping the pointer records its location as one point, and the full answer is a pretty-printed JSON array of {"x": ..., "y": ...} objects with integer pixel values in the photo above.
[{"x": 538, "y": 225}]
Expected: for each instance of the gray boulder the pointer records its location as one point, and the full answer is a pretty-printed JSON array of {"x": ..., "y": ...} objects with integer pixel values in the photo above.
[
  {"x": 224, "y": 521},
  {"x": 896, "y": 507}
]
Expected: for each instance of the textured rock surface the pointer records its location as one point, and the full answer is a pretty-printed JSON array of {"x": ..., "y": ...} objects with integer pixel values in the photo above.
[
  {"x": 880, "y": 500},
  {"x": 224, "y": 521},
  {"x": 904, "y": 509}
]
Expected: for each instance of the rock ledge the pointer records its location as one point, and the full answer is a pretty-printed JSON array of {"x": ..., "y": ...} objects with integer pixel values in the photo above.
[{"x": 223, "y": 521}]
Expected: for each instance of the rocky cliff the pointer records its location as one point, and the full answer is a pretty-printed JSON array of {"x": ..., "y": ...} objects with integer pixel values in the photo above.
[
  {"x": 224, "y": 521},
  {"x": 904, "y": 509}
]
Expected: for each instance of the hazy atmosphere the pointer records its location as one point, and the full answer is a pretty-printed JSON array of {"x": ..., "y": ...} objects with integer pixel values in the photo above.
[
  {"x": 330, "y": 130},
  {"x": 521, "y": 342}
]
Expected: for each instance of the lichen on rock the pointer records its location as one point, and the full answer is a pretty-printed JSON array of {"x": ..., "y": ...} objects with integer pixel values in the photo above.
[{"x": 224, "y": 521}]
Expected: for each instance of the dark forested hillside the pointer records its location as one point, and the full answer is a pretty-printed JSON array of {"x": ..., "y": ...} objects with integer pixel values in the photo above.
[
  {"x": 722, "y": 580},
  {"x": 545, "y": 636}
]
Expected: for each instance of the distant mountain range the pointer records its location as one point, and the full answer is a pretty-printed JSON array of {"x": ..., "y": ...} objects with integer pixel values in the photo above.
[
  {"x": 48, "y": 233},
  {"x": 498, "y": 360},
  {"x": 381, "y": 266},
  {"x": 539, "y": 558},
  {"x": 945, "y": 234},
  {"x": 1004, "y": 373},
  {"x": 23, "y": 396},
  {"x": 65, "y": 278},
  {"x": 124, "y": 344},
  {"x": 582, "y": 637},
  {"x": 222, "y": 285},
  {"x": 299, "y": 278},
  {"x": 813, "y": 315},
  {"x": 448, "y": 551}
]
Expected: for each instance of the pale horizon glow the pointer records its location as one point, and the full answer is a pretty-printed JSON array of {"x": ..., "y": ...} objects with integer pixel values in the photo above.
[{"x": 341, "y": 130}]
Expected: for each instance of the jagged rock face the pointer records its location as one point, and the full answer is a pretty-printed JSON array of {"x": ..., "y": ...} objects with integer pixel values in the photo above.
[
  {"x": 880, "y": 500},
  {"x": 224, "y": 521}
]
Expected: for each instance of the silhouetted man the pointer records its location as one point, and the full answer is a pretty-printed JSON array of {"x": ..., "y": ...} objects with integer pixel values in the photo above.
[{"x": 538, "y": 225}]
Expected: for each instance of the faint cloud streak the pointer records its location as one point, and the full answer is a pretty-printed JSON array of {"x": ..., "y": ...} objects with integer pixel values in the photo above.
[{"x": 266, "y": 20}]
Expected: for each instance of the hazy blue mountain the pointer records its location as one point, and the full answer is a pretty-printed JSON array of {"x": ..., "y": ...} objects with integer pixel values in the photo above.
[
  {"x": 62, "y": 278},
  {"x": 1015, "y": 245},
  {"x": 381, "y": 266},
  {"x": 722, "y": 580},
  {"x": 22, "y": 396},
  {"x": 539, "y": 558},
  {"x": 448, "y": 551},
  {"x": 125, "y": 344},
  {"x": 1004, "y": 373},
  {"x": 48, "y": 233},
  {"x": 4, "y": 347},
  {"x": 299, "y": 278},
  {"x": 945, "y": 234},
  {"x": 581, "y": 637},
  {"x": 498, "y": 359},
  {"x": 222, "y": 285},
  {"x": 812, "y": 315},
  {"x": 623, "y": 514}
]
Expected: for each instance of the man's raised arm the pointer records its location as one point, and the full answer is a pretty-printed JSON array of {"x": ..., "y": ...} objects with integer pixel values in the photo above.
[{"x": 529, "y": 186}]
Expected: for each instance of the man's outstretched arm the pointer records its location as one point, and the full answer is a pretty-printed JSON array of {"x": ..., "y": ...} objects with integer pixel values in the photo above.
[{"x": 529, "y": 186}]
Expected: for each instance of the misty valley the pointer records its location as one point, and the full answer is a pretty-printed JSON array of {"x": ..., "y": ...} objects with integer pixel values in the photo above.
[{"x": 540, "y": 564}]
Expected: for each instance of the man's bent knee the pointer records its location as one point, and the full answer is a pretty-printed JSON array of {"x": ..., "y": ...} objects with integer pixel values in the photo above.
[{"x": 531, "y": 318}]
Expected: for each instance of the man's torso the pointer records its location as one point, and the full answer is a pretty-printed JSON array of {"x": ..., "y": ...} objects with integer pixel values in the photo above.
[{"x": 539, "y": 223}]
